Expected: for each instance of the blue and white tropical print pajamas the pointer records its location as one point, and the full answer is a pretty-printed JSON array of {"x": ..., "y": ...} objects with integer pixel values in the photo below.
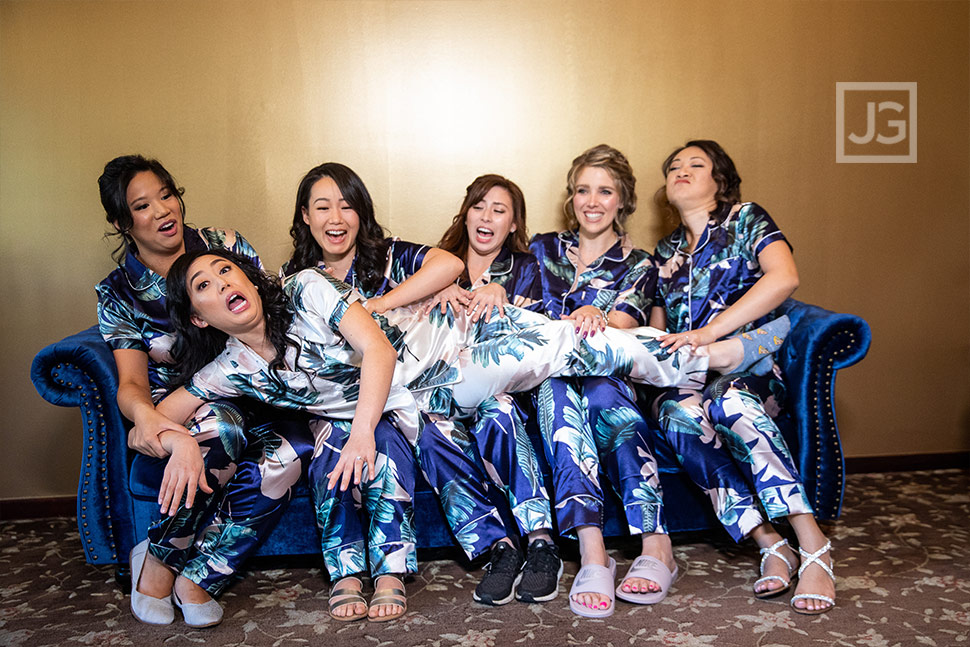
[
  {"x": 444, "y": 449},
  {"x": 734, "y": 410},
  {"x": 323, "y": 379},
  {"x": 251, "y": 463},
  {"x": 498, "y": 427},
  {"x": 594, "y": 424}
]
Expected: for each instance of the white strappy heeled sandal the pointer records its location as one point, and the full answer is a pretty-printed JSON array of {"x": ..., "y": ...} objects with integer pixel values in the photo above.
[
  {"x": 772, "y": 551},
  {"x": 807, "y": 560}
]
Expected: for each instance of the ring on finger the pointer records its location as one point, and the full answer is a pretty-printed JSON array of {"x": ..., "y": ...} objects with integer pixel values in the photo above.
[{"x": 359, "y": 458}]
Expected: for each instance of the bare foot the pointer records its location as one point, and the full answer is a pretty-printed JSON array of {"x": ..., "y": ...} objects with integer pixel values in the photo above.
[
  {"x": 592, "y": 551},
  {"x": 774, "y": 567},
  {"x": 814, "y": 579}
]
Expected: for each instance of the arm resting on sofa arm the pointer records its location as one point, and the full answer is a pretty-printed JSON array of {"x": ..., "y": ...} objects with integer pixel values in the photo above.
[
  {"x": 79, "y": 371},
  {"x": 819, "y": 344}
]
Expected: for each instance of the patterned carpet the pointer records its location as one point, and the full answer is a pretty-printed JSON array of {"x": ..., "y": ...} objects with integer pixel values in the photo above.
[{"x": 902, "y": 552}]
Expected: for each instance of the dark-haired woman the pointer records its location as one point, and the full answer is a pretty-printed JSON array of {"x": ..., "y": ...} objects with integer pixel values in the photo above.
[
  {"x": 194, "y": 549},
  {"x": 334, "y": 228},
  {"x": 592, "y": 275},
  {"x": 318, "y": 330},
  {"x": 723, "y": 271},
  {"x": 489, "y": 234}
]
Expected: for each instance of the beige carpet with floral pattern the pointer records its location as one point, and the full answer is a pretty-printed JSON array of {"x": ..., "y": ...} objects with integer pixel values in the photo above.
[{"x": 902, "y": 551}]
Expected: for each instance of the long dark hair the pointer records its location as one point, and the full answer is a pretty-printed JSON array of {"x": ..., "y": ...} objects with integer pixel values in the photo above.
[
  {"x": 722, "y": 170},
  {"x": 195, "y": 347},
  {"x": 371, "y": 243},
  {"x": 455, "y": 240},
  {"x": 113, "y": 186}
]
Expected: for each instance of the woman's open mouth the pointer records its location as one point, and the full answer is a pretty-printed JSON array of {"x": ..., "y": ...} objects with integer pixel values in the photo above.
[
  {"x": 168, "y": 228},
  {"x": 484, "y": 234},
  {"x": 335, "y": 236},
  {"x": 236, "y": 303}
]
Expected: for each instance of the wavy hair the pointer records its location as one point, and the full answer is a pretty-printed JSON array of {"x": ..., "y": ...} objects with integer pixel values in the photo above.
[
  {"x": 455, "y": 240},
  {"x": 195, "y": 347},
  {"x": 722, "y": 170},
  {"x": 371, "y": 243},
  {"x": 616, "y": 164},
  {"x": 113, "y": 187}
]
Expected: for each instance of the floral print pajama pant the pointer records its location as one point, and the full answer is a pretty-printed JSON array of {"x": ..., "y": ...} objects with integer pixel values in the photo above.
[
  {"x": 732, "y": 449},
  {"x": 388, "y": 544},
  {"x": 509, "y": 459},
  {"x": 593, "y": 425},
  {"x": 251, "y": 470}
]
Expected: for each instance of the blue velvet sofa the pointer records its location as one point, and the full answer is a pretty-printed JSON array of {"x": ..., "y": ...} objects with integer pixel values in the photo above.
[{"x": 117, "y": 489}]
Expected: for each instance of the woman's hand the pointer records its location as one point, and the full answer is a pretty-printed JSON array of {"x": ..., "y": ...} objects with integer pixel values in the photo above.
[
  {"x": 491, "y": 295},
  {"x": 143, "y": 437},
  {"x": 452, "y": 295},
  {"x": 375, "y": 304},
  {"x": 588, "y": 319},
  {"x": 693, "y": 338},
  {"x": 135, "y": 402},
  {"x": 358, "y": 452},
  {"x": 184, "y": 473}
]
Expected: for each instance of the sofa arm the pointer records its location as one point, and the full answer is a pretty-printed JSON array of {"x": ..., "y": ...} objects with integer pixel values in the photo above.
[
  {"x": 79, "y": 371},
  {"x": 819, "y": 344}
]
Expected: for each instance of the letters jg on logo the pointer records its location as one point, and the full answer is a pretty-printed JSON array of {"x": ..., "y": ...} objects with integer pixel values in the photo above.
[{"x": 875, "y": 122}]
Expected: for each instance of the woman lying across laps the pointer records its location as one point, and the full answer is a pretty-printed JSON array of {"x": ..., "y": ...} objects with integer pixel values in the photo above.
[{"x": 312, "y": 347}]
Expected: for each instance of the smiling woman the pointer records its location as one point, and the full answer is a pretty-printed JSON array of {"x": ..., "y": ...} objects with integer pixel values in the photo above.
[
  {"x": 489, "y": 233},
  {"x": 593, "y": 276},
  {"x": 335, "y": 229}
]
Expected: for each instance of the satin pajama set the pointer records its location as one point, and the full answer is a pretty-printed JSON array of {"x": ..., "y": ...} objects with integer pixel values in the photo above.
[{"x": 249, "y": 465}]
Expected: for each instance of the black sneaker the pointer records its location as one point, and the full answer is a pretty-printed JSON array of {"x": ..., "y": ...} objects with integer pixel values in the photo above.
[
  {"x": 501, "y": 576},
  {"x": 541, "y": 573}
]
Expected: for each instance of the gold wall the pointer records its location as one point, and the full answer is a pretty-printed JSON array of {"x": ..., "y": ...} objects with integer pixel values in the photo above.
[{"x": 239, "y": 99}]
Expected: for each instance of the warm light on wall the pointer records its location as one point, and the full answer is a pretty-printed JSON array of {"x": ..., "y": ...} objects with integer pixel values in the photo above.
[{"x": 239, "y": 98}]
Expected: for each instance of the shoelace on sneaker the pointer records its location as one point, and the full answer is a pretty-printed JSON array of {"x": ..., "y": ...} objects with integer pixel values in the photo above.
[
  {"x": 541, "y": 558},
  {"x": 506, "y": 559}
]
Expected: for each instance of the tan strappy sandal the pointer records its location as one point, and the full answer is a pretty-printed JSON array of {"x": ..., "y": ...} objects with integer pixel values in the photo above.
[
  {"x": 395, "y": 596},
  {"x": 341, "y": 597}
]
